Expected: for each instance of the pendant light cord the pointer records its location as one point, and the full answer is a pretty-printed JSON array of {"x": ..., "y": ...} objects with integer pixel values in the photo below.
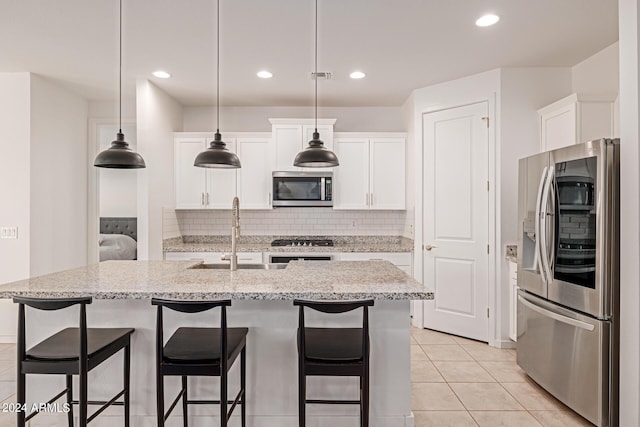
[
  {"x": 316, "y": 69},
  {"x": 120, "y": 74},
  {"x": 218, "y": 68}
]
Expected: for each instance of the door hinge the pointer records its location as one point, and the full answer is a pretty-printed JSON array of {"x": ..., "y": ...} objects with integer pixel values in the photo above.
[
  {"x": 486, "y": 120},
  {"x": 487, "y": 248},
  {"x": 487, "y": 312}
]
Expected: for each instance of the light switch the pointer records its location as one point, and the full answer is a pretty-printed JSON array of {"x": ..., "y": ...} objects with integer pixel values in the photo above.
[{"x": 8, "y": 232}]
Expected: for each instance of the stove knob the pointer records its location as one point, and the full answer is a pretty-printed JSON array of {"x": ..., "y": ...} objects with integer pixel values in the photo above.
[
  {"x": 293, "y": 243},
  {"x": 304, "y": 244}
]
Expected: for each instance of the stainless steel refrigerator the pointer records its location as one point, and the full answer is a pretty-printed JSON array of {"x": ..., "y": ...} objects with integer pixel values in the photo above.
[{"x": 568, "y": 275}]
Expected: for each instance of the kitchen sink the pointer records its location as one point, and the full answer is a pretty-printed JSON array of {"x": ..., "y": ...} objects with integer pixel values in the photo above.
[{"x": 240, "y": 266}]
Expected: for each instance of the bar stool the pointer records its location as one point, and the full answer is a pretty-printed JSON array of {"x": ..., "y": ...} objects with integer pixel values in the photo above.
[
  {"x": 201, "y": 352},
  {"x": 333, "y": 352},
  {"x": 71, "y": 351}
]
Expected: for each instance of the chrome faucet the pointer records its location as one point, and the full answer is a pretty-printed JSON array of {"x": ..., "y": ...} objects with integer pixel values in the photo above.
[{"x": 235, "y": 232}]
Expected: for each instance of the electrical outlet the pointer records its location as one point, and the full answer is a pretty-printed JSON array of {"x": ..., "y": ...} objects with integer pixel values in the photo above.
[{"x": 8, "y": 232}]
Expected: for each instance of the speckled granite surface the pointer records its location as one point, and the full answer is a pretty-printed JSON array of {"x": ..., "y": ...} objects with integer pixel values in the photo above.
[
  {"x": 263, "y": 244},
  {"x": 329, "y": 280}
]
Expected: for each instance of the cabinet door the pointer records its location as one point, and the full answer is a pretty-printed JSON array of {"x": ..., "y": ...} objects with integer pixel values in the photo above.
[
  {"x": 388, "y": 166},
  {"x": 326, "y": 136},
  {"x": 351, "y": 178},
  {"x": 558, "y": 128},
  {"x": 254, "y": 178},
  {"x": 288, "y": 142},
  {"x": 221, "y": 183},
  {"x": 189, "y": 180}
]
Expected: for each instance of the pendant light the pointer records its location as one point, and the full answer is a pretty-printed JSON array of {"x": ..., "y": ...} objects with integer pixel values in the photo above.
[
  {"x": 316, "y": 155},
  {"x": 119, "y": 155},
  {"x": 217, "y": 155}
]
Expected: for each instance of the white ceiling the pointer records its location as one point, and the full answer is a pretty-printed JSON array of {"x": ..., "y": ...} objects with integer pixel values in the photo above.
[{"x": 400, "y": 44}]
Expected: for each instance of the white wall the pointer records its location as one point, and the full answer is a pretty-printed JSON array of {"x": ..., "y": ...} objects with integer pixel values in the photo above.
[
  {"x": 158, "y": 116},
  {"x": 15, "y": 146},
  {"x": 522, "y": 92},
  {"x": 58, "y": 178},
  {"x": 629, "y": 19},
  {"x": 255, "y": 119},
  {"x": 600, "y": 73},
  {"x": 106, "y": 109}
]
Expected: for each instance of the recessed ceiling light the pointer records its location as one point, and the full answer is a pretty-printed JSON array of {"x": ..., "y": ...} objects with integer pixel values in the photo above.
[
  {"x": 357, "y": 75},
  {"x": 264, "y": 74},
  {"x": 487, "y": 20},
  {"x": 161, "y": 74}
]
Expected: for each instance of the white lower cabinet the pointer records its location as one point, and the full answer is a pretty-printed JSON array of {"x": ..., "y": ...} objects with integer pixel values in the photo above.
[
  {"x": 402, "y": 260},
  {"x": 513, "y": 298},
  {"x": 214, "y": 257}
]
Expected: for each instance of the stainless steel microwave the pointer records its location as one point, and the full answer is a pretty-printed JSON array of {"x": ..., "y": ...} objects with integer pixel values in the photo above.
[{"x": 293, "y": 189}]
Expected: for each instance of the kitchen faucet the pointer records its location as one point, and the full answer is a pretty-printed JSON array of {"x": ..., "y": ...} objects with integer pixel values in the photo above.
[{"x": 235, "y": 234}]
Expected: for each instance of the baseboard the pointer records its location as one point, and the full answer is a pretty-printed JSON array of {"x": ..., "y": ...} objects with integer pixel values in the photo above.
[
  {"x": 503, "y": 344},
  {"x": 7, "y": 339}
]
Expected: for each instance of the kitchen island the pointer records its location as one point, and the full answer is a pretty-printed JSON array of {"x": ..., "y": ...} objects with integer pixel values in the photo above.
[{"x": 262, "y": 301}]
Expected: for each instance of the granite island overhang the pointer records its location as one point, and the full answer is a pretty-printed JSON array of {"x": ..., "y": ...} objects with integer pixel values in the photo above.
[{"x": 262, "y": 301}]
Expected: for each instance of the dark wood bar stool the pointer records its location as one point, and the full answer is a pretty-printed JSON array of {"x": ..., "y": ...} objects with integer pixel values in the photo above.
[
  {"x": 200, "y": 352},
  {"x": 72, "y": 351},
  {"x": 333, "y": 352}
]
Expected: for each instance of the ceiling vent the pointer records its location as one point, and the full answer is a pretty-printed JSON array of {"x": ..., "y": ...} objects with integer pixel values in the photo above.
[{"x": 321, "y": 75}]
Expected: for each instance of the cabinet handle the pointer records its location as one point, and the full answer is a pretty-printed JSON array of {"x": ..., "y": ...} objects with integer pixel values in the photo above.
[
  {"x": 207, "y": 199},
  {"x": 371, "y": 203},
  {"x": 270, "y": 199},
  {"x": 366, "y": 199},
  {"x": 202, "y": 198}
]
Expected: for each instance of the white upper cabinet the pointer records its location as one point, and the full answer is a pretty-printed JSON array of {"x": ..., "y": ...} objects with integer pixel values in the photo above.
[
  {"x": 388, "y": 173},
  {"x": 372, "y": 171},
  {"x": 351, "y": 178},
  {"x": 201, "y": 188},
  {"x": 575, "y": 119},
  {"x": 290, "y": 136},
  {"x": 190, "y": 181},
  {"x": 254, "y": 178}
]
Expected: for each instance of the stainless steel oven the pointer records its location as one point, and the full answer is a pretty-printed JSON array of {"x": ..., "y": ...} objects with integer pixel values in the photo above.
[
  {"x": 287, "y": 257},
  {"x": 291, "y": 189}
]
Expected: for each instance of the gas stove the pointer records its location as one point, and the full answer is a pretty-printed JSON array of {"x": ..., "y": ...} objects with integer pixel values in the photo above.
[{"x": 302, "y": 242}]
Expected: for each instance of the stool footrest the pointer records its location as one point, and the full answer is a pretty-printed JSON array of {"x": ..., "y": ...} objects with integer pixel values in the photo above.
[
  {"x": 105, "y": 405},
  {"x": 53, "y": 399},
  {"x": 333, "y": 402}
]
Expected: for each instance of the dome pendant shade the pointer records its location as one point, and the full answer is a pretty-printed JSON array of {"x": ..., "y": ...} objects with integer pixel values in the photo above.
[
  {"x": 119, "y": 156},
  {"x": 217, "y": 156},
  {"x": 316, "y": 155}
]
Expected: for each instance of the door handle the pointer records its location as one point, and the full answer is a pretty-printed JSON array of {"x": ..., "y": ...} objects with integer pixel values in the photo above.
[
  {"x": 429, "y": 247},
  {"x": 544, "y": 246},
  {"x": 556, "y": 316},
  {"x": 538, "y": 249}
]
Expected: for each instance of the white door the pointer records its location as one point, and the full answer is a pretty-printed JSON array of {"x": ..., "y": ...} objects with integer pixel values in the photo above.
[
  {"x": 351, "y": 178},
  {"x": 387, "y": 160},
  {"x": 455, "y": 220},
  {"x": 254, "y": 177}
]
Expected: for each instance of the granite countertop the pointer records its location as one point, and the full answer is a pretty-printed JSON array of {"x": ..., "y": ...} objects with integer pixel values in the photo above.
[
  {"x": 263, "y": 244},
  {"x": 328, "y": 280}
]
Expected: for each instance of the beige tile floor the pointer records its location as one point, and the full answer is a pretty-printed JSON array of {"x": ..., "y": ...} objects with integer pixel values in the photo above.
[
  {"x": 454, "y": 382},
  {"x": 459, "y": 382}
]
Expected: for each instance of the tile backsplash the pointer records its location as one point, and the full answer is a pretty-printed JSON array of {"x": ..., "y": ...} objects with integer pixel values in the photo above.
[{"x": 289, "y": 221}]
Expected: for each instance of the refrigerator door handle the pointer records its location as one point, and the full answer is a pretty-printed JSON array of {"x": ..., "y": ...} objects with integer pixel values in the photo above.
[
  {"x": 559, "y": 317},
  {"x": 544, "y": 248},
  {"x": 538, "y": 252}
]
